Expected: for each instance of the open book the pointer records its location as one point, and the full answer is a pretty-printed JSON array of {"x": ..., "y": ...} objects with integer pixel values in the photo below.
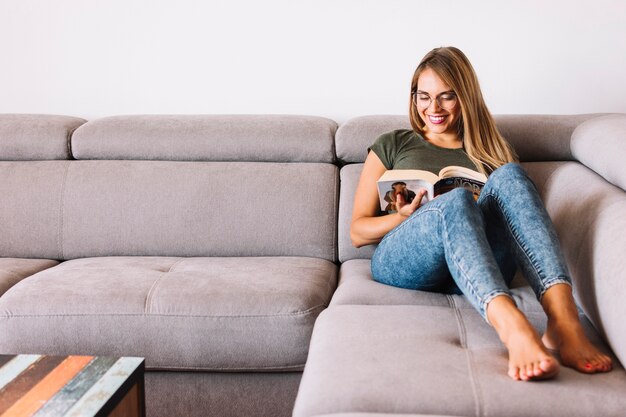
[{"x": 408, "y": 181}]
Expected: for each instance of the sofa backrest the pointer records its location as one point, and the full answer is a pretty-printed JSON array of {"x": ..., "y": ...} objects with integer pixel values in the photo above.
[
  {"x": 255, "y": 138},
  {"x": 213, "y": 186},
  {"x": 28, "y": 137},
  {"x": 534, "y": 138}
]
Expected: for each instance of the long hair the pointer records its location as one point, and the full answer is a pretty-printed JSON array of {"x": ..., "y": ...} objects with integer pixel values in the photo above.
[{"x": 482, "y": 141}]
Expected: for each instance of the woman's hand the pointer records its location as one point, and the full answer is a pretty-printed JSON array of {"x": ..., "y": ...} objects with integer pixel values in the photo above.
[
  {"x": 406, "y": 209},
  {"x": 367, "y": 226}
]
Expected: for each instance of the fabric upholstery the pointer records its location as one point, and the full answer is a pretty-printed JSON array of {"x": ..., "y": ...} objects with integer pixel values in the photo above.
[
  {"x": 356, "y": 286},
  {"x": 31, "y": 220},
  {"x": 221, "y": 394},
  {"x": 25, "y": 137},
  {"x": 76, "y": 209},
  {"x": 540, "y": 137},
  {"x": 207, "y": 138},
  {"x": 13, "y": 270},
  {"x": 356, "y": 135},
  {"x": 349, "y": 180},
  {"x": 218, "y": 314},
  {"x": 600, "y": 144},
  {"x": 435, "y": 360},
  {"x": 534, "y": 137},
  {"x": 589, "y": 217}
]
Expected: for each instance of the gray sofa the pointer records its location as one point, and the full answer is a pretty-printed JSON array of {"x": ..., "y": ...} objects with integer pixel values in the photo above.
[{"x": 213, "y": 245}]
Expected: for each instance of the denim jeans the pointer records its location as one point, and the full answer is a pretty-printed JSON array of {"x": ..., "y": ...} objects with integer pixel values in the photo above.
[{"x": 454, "y": 244}]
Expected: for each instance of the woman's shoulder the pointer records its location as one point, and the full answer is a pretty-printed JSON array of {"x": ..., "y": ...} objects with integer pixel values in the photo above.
[
  {"x": 390, "y": 145},
  {"x": 395, "y": 137}
]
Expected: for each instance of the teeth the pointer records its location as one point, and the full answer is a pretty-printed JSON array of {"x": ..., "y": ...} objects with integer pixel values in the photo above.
[{"x": 436, "y": 118}]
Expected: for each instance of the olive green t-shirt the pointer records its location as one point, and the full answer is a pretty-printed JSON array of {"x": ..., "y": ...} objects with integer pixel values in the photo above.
[{"x": 405, "y": 149}]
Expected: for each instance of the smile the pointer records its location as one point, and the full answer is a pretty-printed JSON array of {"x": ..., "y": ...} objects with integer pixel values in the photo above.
[{"x": 436, "y": 119}]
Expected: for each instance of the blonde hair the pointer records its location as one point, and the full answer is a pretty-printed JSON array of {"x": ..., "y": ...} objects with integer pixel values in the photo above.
[{"x": 482, "y": 141}]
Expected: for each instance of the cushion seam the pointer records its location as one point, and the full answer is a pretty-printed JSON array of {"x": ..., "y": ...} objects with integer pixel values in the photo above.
[
  {"x": 227, "y": 369},
  {"x": 61, "y": 242},
  {"x": 299, "y": 313},
  {"x": 470, "y": 360},
  {"x": 148, "y": 304},
  {"x": 336, "y": 216}
]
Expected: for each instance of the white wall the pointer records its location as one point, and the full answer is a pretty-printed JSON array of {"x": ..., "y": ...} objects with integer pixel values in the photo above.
[{"x": 332, "y": 58}]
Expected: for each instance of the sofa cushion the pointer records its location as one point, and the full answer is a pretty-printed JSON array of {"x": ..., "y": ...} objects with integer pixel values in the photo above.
[
  {"x": 357, "y": 134},
  {"x": 600, "y": 144},
  {"x": 436, "y": 360},
  {"x": 270, "y": 138},
  {"x": 349, "y": 180},
  {"x": 13, "y": 270},
  {"x": 25, "y": 137},
  {"x": 31, "y": 221},
  {"x": 76, "y": 209},
  {"x": 356, "y": 286},
  {"x": 540, "y": 137},
  {"x": 219, "y": 314}
]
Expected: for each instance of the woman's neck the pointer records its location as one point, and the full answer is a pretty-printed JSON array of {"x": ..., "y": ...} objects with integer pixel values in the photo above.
[{"x": 445, "y": 140}]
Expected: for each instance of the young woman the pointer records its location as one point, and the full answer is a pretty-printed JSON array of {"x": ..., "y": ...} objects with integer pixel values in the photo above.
[{"x": 456, "y": 244}]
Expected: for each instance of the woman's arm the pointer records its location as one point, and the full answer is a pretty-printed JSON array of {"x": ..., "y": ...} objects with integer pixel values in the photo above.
[{"x": 366, "y": 227}]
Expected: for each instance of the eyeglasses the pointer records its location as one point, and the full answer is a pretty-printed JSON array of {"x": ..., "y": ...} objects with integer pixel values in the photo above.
[{"x": 445, "y": 100}]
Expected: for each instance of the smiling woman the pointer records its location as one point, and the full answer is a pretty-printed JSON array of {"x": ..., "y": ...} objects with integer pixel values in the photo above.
[
  {"x": 456, "y": 244},
  {"x": 459, "y": 112},
  {"x": 441, "y": 116}
]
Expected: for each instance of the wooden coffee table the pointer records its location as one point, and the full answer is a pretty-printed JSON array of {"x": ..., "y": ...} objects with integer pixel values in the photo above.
[{"x": 39, "y": 385}]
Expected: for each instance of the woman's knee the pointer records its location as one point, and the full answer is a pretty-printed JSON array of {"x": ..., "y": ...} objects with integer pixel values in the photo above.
[
  {"x": 509, "y": 172},
  {"x": 458, "y": 207},
  {"x": 459, "y": 199},
  {"x": 510, "y": 181}
]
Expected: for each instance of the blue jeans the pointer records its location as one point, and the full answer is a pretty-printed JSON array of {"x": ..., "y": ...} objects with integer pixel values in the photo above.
[{"x": 454, "y": 244}]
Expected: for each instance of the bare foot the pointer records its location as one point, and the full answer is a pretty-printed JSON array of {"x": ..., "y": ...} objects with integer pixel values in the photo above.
[
  {"x": 565, "y": 333},
  {"x": 528, "y": 358},
  {"x": 575, "y": 349}
]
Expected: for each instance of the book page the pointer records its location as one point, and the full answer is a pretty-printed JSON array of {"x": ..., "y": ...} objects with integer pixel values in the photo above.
[
  {"x": 409, "y": 174},
  {"x": 457, "y": 171}
]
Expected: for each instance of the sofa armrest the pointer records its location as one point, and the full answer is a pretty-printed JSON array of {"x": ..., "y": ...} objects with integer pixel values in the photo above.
[
  {"x": 587, "y": 212},
  {"x": 600, "y": 144}
]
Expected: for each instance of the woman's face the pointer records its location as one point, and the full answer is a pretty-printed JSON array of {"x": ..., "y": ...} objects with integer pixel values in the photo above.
[{"x": 437, "y": 104}]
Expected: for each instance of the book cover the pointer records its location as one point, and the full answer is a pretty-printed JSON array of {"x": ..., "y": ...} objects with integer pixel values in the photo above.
[{"x": 407, "y": 182}]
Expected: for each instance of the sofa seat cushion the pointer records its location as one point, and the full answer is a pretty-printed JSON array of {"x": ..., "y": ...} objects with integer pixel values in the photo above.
[
  {"x": 356, "y": 286},
  {"x": 220, "y": 314},
  {"x": 13, "y": 270},
  {"x": 424, "y": 359}
]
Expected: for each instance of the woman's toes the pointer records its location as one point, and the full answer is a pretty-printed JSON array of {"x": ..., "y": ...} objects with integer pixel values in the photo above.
[
  {"x": 593, "y": 365},
  {"x": 607, "y": 363},
  {"x": 528, "y": 372},
  {"x": 514, "y": 373}
]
